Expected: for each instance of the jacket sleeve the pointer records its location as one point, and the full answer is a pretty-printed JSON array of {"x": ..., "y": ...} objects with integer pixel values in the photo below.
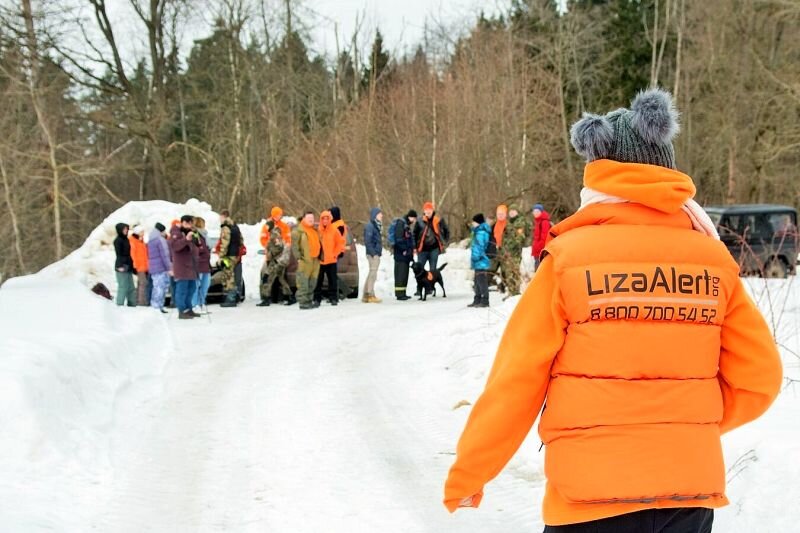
[
  {"x": 514, "y": 393},
  {"x": 264, "y": 237},
  {"x": 297, "y": 249},
  {"x": 118, "y": 253},
  {"x": 224, "y": 240},
  {"x": 445, "y": 229},
  {"x": 479, "y": 243},
  {"x": 164, "y": 251},
  {"x": 750, "y": 372},
  {"x": 340, "y": 244}
]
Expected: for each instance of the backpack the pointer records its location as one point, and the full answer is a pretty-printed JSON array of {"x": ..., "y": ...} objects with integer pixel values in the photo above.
[
  {"x": 491, "y": 247},
  {"x": 393, "y": 230}
]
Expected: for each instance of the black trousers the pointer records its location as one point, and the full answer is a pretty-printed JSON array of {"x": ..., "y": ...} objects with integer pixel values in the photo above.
[
  {"x": 401, "y": 269},
  {"x": 481, "y": 286},
  {"x": 332, "y": 273},
  {"x": 679, "y": 520}
]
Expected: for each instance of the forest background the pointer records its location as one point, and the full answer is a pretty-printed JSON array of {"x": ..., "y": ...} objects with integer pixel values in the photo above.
[{"x": 250, "y": 116}]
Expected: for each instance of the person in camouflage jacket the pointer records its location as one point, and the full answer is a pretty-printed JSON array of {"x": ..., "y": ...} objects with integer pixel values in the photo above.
[
  {"x": 277, "y": 256},
  {"x": 509, "y": 254}
]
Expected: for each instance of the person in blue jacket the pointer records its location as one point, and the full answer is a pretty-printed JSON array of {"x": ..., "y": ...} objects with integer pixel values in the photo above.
[
  {"x": 479, "y": 260},
  {"x": 373, "y": 241}
]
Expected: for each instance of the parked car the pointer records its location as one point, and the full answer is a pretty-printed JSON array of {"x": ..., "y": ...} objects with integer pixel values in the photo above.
[
  {"x": 347, "y": 270},
  {"x": 762, "y": 238}
]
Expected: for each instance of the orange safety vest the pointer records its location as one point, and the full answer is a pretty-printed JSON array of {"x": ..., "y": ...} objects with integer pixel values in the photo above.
[{"x": 435, "y": 232}]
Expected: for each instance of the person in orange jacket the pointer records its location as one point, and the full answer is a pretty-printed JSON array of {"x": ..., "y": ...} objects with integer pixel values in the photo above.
[
  {"x": 636, "y": 341},
  {"x": 332, "y": 247},
  {"x": 139, "y": 256},
  {"x": 276, "y": 215}
]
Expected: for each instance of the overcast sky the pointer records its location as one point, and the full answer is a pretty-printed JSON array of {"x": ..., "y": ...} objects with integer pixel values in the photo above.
[{"x": 402, "y": 22}]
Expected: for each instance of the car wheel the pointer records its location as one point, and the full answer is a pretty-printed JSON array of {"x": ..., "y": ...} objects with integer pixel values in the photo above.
[{"x": 776, "y": 269}]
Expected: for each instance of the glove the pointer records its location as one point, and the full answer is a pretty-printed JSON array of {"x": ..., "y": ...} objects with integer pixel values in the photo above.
[{"x": 226, "y": 262}]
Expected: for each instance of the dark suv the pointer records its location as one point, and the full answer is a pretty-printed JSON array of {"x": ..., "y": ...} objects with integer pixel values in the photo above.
[{"x": 762, "y": 238}]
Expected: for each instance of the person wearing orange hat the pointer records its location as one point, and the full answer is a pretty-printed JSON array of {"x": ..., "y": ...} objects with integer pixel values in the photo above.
[
  {"x": 332, "y": 247},
  {"x": 636, "y": 344},
  {"x": 431, "y": 235}
]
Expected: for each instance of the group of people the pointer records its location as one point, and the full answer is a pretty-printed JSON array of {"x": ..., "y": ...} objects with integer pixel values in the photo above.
[
  {"x": 497, "y": 245},
  {"x": 178, "y": 260}
]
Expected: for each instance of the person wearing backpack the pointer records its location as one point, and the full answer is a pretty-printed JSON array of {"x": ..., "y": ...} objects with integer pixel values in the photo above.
[
  {"x": 401, "y": 239},
  {"x": 479, "y": 260}
]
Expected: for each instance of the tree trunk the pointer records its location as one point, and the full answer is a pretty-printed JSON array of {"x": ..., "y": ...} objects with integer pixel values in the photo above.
[
  {"x": 47, "y": 132},
  {"x": 13, "y": 214}
]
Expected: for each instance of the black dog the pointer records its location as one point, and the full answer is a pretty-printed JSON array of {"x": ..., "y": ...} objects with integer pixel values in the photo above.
[{"x": 426, "y": 281}]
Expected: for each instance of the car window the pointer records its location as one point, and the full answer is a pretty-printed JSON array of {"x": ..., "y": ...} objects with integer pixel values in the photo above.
[
  {"x": 729, "y": 225},
  {"x": 783, "y": 224}
]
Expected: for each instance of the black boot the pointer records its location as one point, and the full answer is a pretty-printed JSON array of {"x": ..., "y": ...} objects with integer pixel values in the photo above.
[
  {"x": 264, "y": 303},
  {"x": 231, "y": 299},
  {"x": 290, "y": 300}
]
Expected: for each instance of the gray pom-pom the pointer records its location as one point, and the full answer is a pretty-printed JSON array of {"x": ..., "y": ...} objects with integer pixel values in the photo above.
[
  {"x": 654, "y": 116},
  {"x": 592, "y": 137}
]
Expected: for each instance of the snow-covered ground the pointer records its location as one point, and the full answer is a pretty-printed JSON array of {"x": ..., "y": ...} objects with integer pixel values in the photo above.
[{"x": 342, "y": 419}]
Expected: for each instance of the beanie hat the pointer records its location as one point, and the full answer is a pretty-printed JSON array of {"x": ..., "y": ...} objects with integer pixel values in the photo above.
[
  {"x": 412, "y": 214},
  {"x": 276, "y": 212},
  {"x": 479, "y": 218},
  {"x": 175, "y": 222},
  {"x": 160, "y": 227},
  {"x": 187, "y": 218},
  {"x": 540, "y": 207},
  {"x": 513, "y": 207},
  {"x": 138, "y": 230},
  {"x": 428, "y": 205},
  {"x": 641, "y": 134},
  {"x": 502, "y": 208}
]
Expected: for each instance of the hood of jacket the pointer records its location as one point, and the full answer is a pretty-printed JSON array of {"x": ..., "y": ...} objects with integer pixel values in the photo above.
[
  {"x": 120, "y": 227},
  {"x": 336, "y": 213},
  {"x": 657, "y": 187},
  {"x": 373, "y": 213},
  {"x": 325, "y": 214}
]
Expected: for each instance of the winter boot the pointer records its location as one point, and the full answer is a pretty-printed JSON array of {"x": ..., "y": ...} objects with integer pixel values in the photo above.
[
  {"x": 374, "y": 299},
  {"x": 290, "y": 300},
  {"x": 231, "y": 299},
  {"x": 263, "y": 303},
  {"x": 186, "y": 315}
]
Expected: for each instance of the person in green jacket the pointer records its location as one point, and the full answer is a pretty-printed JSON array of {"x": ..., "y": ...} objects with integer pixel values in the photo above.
[{"x": 307, "y": 248}]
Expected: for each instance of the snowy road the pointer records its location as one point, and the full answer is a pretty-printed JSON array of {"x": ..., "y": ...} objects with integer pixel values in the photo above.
[{"x": 336, "y": 420}]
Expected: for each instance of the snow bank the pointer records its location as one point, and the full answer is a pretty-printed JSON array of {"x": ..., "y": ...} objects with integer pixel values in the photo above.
[
  {"x": 93, "y": 262},
  {"x": 67, "y": 355}
]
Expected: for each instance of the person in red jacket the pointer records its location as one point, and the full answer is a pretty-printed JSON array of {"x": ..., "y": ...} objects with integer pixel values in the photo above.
[{"x": 541, "y": 228}]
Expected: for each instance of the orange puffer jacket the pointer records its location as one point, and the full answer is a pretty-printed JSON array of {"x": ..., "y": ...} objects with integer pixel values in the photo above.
[
  {"x": 642, "y": 340},
  {"x": 333, "y": 243},
  {"x": 138, "y": 254}
]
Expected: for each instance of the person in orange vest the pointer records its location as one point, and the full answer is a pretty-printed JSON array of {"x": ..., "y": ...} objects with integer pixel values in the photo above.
[
  {"x": 431, "y": 235},
  {"x": 332, "y": 247},
  {"x": 139, "y": 256},
  {"x": 276, "y": 215},
  {"x": 636, "y": 344}
]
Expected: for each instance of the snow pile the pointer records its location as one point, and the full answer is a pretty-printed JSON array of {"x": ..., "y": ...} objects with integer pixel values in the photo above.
[
  {"x": 93, "y": 262},
  {"x": 67, "y": 357}
]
